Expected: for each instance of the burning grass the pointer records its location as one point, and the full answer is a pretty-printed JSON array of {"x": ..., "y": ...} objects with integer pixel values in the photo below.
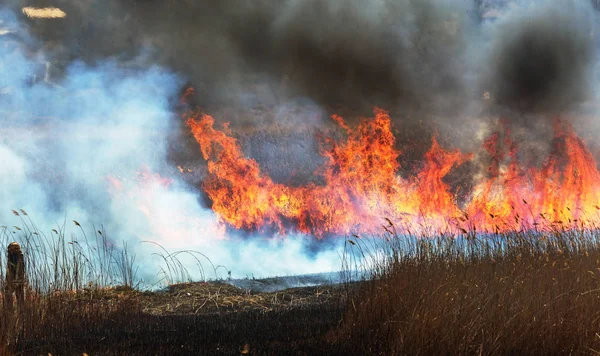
[{"x": 360, "y": 182}]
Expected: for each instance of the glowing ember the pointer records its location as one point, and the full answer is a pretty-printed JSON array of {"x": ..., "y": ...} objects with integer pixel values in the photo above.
[
  {"x": 43, "y": 12},
  {"x": 184, "y": 170}
]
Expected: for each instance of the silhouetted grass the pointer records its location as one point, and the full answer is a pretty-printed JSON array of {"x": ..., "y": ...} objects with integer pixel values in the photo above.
[
  {"x": 68, "y": 279},
  {"x": 514, "y": 293},
  {"x": 83, "y": 296}
]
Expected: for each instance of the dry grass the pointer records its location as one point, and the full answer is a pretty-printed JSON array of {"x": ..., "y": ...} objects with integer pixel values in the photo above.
[
  {"x": 520, "y": 293},
  {"x": 72, "y": 283},
  {"x": 82, "y": 296},
  {"x": 199, "y": 316},
  {"x": 219, "y": 297},
  {"x": 52, "y": 319}
]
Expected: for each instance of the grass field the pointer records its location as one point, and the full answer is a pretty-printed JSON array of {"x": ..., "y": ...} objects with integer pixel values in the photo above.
[{"x": 518, "y": 293}]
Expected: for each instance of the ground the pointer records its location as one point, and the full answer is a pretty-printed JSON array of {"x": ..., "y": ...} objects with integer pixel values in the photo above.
[{"x": 210, "y": 318}]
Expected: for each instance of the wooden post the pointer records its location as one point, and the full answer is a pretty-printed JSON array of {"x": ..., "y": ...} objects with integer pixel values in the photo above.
[{"x": 15, "y": 276}]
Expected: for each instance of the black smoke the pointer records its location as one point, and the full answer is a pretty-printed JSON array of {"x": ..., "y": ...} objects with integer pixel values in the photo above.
[
  {"x": 427, "y": 61},
  {"x": 409, "y": 55},
  {"x": 342, "y": 53},
  {"x": 542, "y": 60}
]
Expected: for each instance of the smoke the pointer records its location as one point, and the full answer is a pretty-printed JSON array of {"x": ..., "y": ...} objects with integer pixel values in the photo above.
[
  {"x": 356, "y": 54},
  {"x": 87, "y": 146},
  {"x": 91, "y": 99},
  {"x": 342, "y": 53},
  {"x": 431, "y": 57},
  {"x": 542, "y": 57}
]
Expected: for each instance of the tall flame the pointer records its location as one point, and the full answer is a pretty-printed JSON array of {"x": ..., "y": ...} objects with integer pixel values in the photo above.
[{"x": 362, "y": 186}]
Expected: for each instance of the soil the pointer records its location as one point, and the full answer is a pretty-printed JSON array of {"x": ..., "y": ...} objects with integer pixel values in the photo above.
[{"x": 210, "y": 318}]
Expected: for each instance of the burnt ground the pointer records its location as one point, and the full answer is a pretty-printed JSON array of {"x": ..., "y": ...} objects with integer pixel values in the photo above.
[{"x": 212, "y": 318}]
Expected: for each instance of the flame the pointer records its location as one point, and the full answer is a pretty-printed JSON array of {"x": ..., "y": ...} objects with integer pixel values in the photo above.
[
  {"x": 141, "y": 190},
  {"x": 362, "y": 187},
  {"x": 241, "y": 194},
  {"x": 563, "y": 193}
]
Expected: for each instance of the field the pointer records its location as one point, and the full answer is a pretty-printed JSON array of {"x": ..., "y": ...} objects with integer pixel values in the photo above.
[
  {"x": 200, "y": 318},
  {"x": 517, "y": 293},
  {"x": 520, "y": 293}
]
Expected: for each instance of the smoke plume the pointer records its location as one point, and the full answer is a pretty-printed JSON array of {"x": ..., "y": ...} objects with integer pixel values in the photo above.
[
  {"x": 87, "y": 146},
  {"x": 542, "y": 58}
]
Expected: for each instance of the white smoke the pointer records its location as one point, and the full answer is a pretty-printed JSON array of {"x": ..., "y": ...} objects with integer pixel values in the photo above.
[{"x": 89, "y": 145}]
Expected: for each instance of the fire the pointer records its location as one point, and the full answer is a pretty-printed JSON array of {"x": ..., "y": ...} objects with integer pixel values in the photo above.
[
  {"x": 241, "y": 194},
  {"x": 141, "y": 188},
  {"x": 435, "y": 199},
  {"x": 563, "y": 193},
  {"x": 362, "y": 185}
]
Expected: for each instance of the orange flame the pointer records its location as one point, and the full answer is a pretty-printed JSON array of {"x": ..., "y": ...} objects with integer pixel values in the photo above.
[
  {"x": 362, "y": 186},
  {"x": 562, "y": 194},
  {"x": 361, "y": 183}
]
